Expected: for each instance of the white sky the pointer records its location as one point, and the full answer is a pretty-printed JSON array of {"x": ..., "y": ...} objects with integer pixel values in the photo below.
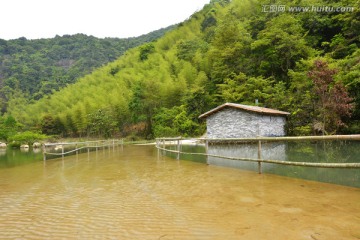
[{"x": 35, "y": 19}]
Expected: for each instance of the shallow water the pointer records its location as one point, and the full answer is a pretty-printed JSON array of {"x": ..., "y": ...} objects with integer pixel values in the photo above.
[
  {"x": 321, "y": 152},
  {"x": 303, "y": 151},
  {"x": 134, "y": 193}
]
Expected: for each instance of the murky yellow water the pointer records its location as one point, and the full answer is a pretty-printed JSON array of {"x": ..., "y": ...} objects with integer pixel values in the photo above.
[{"x": 131, "y": 193}]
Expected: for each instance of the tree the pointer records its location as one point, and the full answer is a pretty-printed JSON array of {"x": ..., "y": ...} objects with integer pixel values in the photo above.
[
  {"x": 80, "y": 119},
  {"x": 247, "y": 90},
  {"x": 173, "y": 122},
  {"x": 231, "y": 48},
  {"x": 279, "y": 46},
  {"x": 146, "y": 50},
  {"x": 8, "y": 127},
  {"x": 102, "y": 123},
  {"x": 333, "y": 101},
  {"x": 350, "y": 75},
  {"x": 225, "y": 52},
  {"x": 46, "y": 65},
  {"x": 186, "y": 50},
  {"x": 51, "y": 126},
  {"x": 300, "y": 100}
]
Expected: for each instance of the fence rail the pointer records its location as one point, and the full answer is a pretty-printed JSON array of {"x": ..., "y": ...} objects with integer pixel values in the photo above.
[
  {"x": 87, "y": 145},
  {"x": 355, "y": 137},
  {"x": 161, "y": 144}
]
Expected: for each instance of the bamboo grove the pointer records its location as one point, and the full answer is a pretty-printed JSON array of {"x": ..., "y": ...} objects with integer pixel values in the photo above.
[{"x": 306, "y": 63}]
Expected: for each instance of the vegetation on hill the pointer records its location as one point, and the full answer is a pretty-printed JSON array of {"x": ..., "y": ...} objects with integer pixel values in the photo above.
[
  {"x": 306, "y": 63},
  {"x": 37, "y": 68}
]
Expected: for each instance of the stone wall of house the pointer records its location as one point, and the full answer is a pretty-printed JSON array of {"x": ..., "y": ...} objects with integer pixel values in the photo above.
[{"x": 237, "y": 123}]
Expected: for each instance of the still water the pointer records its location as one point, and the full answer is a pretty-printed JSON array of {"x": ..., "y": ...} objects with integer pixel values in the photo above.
[
  {"x": 303, "y": 151},
  {"x": 319, "y": 151},
  {"x": 132, "y": 192}
]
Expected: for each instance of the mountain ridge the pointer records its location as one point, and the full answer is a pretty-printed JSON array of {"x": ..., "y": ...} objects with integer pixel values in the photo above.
[
  {"x": 37, "y": 67},
  {"x": 230, "y": 51}
]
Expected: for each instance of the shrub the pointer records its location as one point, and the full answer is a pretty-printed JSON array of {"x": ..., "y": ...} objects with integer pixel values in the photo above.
[{"x": 27, "y": 137}]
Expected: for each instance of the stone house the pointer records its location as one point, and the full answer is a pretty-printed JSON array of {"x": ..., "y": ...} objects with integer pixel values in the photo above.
[{"x": 232, "y": 120}]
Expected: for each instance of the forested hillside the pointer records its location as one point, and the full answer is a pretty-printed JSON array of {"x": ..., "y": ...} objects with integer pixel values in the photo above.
[
  {"x": 36, "y": 68},
  {"x": 306, "y": 63}
]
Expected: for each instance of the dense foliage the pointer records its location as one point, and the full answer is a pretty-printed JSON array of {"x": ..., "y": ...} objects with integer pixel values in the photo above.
[
  {"x": 36, "y": 68},
  {"x": 231, "y": 51},
  {"x": 26, "y": 137}
]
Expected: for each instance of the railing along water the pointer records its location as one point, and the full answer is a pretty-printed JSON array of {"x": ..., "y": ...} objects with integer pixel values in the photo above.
[
  {"x": 162, "y": 142},
  {"x": 78, "y": 146}
]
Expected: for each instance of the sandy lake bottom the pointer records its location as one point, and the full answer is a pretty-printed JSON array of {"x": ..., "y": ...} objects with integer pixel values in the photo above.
[{"x": 131, "y": 192}]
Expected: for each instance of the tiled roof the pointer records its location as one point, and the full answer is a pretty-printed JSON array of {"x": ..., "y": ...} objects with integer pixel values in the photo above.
[{"x": 261, "y": 110}]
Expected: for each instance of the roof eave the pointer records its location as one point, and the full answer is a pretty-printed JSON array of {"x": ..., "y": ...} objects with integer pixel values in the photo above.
[{"x": 213, "y": 111}]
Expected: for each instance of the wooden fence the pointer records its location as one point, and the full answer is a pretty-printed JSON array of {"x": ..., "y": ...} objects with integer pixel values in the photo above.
[
  {"x": 78, "y": 146},
  {"x": 161, "y": 144}
]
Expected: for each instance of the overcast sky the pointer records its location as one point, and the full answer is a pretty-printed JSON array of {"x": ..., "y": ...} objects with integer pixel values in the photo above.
[{"x": 35, "y": 19}]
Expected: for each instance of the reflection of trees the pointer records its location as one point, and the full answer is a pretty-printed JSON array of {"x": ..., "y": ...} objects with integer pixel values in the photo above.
[
  {"x": 323, "y": 151},
  {"x": 327, "y": 152},
  {"x": 2, "y": 152},
  {"x": 304, "y": 151},
  {"x": 14, "y": 157}
]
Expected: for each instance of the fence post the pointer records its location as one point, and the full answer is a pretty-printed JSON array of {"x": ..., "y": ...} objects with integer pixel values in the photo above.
[
  {"x": 178, "y": 149},
  {"x": 207, "y": 150},
  {"x": 259, "y": 157},
  {"x": 163, "y": 142},
  {"x": 157, "y": 146},
  {"x": 88, "y": 150},
  {"x": 44, "y": 152}
]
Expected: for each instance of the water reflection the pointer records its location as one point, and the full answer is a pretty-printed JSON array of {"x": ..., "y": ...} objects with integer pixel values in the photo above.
[
  {"x": 131, "y": 193},
  {"x": 324, "y": 152},
  {"x": 11, "y": 157},
  {"x": 2, "y": 151},
  {"x": 269, "y": 151},
  {"x": 25, "y": 150},
  {"x": 37, "y": 150}
]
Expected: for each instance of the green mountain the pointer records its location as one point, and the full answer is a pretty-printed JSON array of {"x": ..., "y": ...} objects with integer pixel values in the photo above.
[
  {"x": 286, "y": 57},
  {"x": 36, "y": 68}
]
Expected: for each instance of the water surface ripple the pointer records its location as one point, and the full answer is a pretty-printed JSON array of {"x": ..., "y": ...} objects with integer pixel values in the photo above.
[{"x": 132, "y": 193}]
